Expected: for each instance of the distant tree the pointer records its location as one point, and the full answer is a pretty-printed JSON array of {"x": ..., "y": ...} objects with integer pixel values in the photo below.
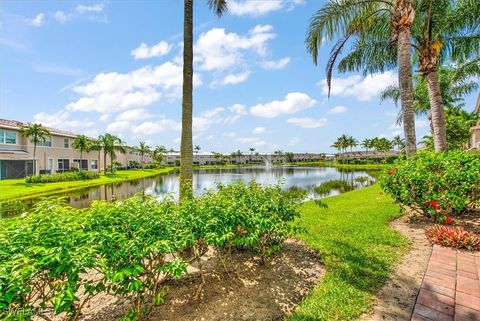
[
  {"x": 398, "y": 142},
  {"x": 351, "y": 142},
  {"x": 143, "y": 149},
  {"x": 158, "y": 154},
  {"x": 82, "y": 144},
  {"x": 289, "y": 156},
  {"x": 110, "y": 144},
  {"x": 197, "y": 149},
  {"x": 367, "y": 144},
  {"x": 37, "y": 133},
  {"x": 252, "y": 150}
]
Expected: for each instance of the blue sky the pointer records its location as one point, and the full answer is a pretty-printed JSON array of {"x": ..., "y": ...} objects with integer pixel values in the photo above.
[{"x": 115, "y": 66}]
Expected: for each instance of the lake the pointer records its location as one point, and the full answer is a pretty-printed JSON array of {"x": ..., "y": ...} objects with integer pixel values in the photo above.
[{"x": 203, "y": 179}]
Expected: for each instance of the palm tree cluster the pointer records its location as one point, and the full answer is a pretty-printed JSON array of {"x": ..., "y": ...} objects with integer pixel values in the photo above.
[
  {"x": 344, "y": 142},
  {"x": 382, "y": 35},
  {"x": 107, "y": 143},
  {"x": 379, "y": 144}
]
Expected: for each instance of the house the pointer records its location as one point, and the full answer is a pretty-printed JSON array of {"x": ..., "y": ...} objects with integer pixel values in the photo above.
[
  {"x": 475, "y": 130},
  {"x": 55, "y": 154}
]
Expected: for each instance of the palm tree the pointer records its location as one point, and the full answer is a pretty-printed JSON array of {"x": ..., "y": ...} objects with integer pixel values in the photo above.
[
  {"x": 376, "y": 24},
  {"x": 398, "y": 142},
  {"x": 95, "y": 145},
  {"x": 110, "y": 144},
  {"x": 158, "y": 154},
  {"x": 197, "y": 149},
  {"x": 456, "y": 82},
  {"x": 351, "y": 142},
  {"x": 143, "y": 149},
  {"x": 367, "y": 143},
  {"x": 252, "y": 150},
  {"x": 37, "y": 133},
  {"x": 446, "y": 30},
  {"x": 81, "y": 143},
  {"x": 186, "y": 145}
]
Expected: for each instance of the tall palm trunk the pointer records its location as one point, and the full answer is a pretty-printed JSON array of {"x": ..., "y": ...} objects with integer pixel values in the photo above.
[
  {"x": 437, "y": 112},
  {"x": 402, "y": 19},
  {"x": 186, "y": 148},
  {"x": 34, "y": 158},
  {"x": 81, "y": 159},
  {"x": 104, "y": 161}
]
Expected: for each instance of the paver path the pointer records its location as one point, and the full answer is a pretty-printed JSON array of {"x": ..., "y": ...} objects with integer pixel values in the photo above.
[{"x": 451, "y": 287}]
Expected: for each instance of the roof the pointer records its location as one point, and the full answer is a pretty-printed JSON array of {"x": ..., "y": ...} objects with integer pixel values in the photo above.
[{"x": 14, "y": 124}]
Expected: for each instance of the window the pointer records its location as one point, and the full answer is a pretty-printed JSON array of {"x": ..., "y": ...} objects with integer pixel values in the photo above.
[
  {"x": 50, "y": 164},
  {"x": 8, "y": 137},
  {"x": 45, "y": 143},
  {"x": 63, "y": 165},
  {"x": 84, "y": 163},
  {"x": 94, "y": 164},
  {"x": 65, "y": 142}
]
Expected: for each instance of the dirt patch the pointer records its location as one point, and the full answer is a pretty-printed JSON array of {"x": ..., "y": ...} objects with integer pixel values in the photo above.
[
  {"x": 248, "y": 291},
  {"x": 470, "y": 221},
  {"x": 396, "y": 299}
]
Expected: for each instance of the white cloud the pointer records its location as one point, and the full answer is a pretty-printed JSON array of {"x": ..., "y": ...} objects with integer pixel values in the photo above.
[
  {"x": 238, "y": 109},
  {"x": 259, "y": 130},
  {"x": 62, "y": 120},
  {"x": 294, "y": 141},
  {"x": 275, "y": 65},
  {"x": 61, "y": 16},
  {"x": 307, "y": 122},
  {"x": 134, "y": 115},
  {"x": 143, "y": 51},
  {"x": 253, "y": 141},
  {"x": 38, "y": 21},
  {"x": 364, "y": 89},
  {"x": 217, "y": 50},
  {"x": 113, "y": 92},
  {"x": 231, "y": 79},
  {"x": 154, "y": 127},
  {"x": 293, "y": 103},
  {"x": 257, "y": 8},
  {"x": 337, "y": 110},
  {"x": 93, "y": 8},
  {"x": 119, "y": 127}
]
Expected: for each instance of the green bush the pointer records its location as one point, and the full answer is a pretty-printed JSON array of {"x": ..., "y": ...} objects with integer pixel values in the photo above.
[
  {"x": 56, "y": 258},
  {"x": 62, "y": 177},
  {"x": 436, "y": 183}
]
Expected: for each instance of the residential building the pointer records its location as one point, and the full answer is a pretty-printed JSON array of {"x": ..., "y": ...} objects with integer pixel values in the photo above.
[
  {"x": 475, "y": 130},
  {"x": 55, "y": 154}
]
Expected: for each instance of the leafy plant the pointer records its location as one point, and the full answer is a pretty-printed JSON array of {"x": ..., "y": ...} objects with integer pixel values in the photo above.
[
  {"x": 448, "y": 180},
  {"x": 62, "y": 177},
  {"x": 453, "y": 236}
]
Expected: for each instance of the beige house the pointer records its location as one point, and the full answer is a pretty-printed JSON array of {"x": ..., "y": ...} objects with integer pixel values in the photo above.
[
  {"x": 475, "y": 130},
  {"x": 55, "y": 154}
]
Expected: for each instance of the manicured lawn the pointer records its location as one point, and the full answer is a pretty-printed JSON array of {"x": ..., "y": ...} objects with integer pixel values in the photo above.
[
  {"x": 18, "y": 189},
  {"x": 358, "y": 249}
]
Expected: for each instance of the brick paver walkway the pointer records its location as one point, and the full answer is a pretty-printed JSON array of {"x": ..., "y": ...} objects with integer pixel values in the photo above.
[{"x": 451, "y": 287}]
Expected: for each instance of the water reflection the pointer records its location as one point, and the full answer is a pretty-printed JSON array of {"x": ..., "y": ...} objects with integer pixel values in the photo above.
[{"x": 292, "y": 176}]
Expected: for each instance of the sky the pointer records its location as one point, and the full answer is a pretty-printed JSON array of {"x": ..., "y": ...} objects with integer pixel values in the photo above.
[{"x": 92, "y": 67}]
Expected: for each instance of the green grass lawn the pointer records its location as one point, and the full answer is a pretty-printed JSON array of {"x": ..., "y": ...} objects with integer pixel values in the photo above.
[
  {"x": 18, "y": 189},
  {"x": 358, "y": 249}
]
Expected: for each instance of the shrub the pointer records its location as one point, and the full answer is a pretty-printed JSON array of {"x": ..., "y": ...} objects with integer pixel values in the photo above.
[
  {"x": 56, "y": 258},
  {"x": 435, "y": 183},
  {"x": 62, "y": 177},
  {"x": 453, "y": 236}
]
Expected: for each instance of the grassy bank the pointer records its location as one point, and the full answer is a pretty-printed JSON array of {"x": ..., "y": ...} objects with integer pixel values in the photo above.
[
  {"x": 345, "y": 166},
  {"x": 358, "y": 249},
  {"x": 19, "y": 189}
]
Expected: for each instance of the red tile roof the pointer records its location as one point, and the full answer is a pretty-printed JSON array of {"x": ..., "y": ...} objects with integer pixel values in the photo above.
[{"x": 18, "y": 124}]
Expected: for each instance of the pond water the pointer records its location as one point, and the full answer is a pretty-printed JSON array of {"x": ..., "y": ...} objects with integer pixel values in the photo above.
[{"x": 159, "y": 186}]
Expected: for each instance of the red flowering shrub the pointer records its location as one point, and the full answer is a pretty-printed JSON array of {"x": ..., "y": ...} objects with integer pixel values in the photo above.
[
  {"x": 438, "y": 184},
  {"x": 453, "y": 236}
]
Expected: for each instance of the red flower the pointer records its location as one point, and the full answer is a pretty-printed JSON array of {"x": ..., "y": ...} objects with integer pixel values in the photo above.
[
  {"x": 448, "y": 219},
  {"x": 390, "y": 172}
]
